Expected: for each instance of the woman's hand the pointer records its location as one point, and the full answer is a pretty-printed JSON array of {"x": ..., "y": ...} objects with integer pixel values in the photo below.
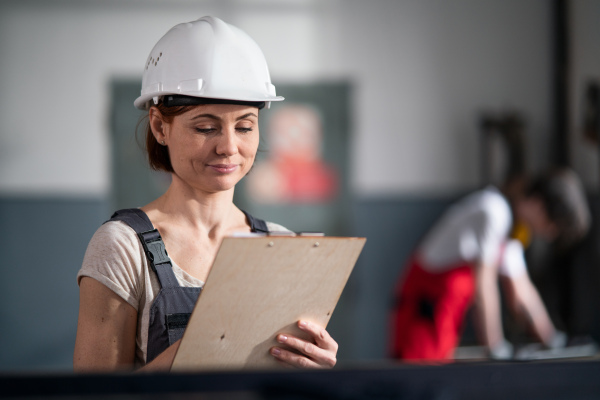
[{"x": 318, "y": 353}]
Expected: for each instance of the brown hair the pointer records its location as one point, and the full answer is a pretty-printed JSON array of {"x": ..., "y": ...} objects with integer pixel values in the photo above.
[{"x": 158, "y": 155}]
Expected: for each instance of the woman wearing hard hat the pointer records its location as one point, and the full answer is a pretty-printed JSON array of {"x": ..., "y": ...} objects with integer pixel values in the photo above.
[{"x": 203, "y": 86}]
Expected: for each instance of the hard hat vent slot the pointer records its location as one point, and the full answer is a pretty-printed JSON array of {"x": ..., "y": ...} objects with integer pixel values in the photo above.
[{"x": 152, "y": 61}]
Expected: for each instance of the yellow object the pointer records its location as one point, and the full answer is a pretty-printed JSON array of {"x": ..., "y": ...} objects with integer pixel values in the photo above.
[{"x": 522, "y": 233}]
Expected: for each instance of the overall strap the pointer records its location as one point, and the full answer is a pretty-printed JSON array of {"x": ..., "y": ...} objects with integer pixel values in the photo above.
[
  {"x": 256, "y": 224},
  {"x": 152, "y": 242}
]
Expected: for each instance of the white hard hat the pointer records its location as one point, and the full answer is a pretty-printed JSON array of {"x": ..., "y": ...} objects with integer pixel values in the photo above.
[{"x": 206, "y": 58}]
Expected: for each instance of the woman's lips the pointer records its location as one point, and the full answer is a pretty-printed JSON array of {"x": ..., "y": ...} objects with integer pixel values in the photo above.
[{"x": 224, "y": 168}]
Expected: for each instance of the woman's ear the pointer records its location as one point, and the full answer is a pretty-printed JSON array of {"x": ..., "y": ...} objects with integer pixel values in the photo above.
[{"x": 158, "y": 125}]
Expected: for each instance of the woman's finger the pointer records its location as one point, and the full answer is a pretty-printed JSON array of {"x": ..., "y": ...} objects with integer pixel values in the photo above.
[
  {"x": 320, "y": 335},
  {"x": 291, "y": 358},
  {"x": 320, "y": 352}
]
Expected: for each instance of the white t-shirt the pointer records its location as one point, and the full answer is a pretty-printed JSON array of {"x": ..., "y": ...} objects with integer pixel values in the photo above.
[
  {"x": 115, "y": 258},
  {"x": 474, "y": 230}
]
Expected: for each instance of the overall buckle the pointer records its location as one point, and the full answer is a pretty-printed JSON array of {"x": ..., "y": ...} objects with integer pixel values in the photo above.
[{"x": 154, "y": 247}]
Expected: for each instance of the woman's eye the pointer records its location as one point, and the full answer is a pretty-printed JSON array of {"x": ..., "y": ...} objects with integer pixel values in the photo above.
[
  {"x": 244, "y": 129},
  {"x": 205, "y": 130}
]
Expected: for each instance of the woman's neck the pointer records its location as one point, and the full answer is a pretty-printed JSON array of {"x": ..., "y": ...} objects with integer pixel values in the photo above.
[{"x": 183, "y": 205}]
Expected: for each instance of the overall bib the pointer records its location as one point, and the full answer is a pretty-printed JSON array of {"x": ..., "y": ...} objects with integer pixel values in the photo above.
[{"x": 171, "y": 310}]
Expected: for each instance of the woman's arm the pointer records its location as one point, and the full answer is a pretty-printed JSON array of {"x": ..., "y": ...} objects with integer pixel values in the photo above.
[
  {"x": 320, "y": 353},
  {"x": 106, "y": 332},
  {"x": 106, "y": 329}
]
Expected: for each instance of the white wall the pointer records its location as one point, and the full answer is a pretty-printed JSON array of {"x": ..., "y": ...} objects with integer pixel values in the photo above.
[
  {"x": 58, "y": 57},
  {"x": 422, "y": 70},
  {"x": 425, "y": 69}
]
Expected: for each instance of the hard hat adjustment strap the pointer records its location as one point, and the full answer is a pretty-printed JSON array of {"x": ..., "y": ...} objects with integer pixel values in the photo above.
[{"x": 179, "y": 100}]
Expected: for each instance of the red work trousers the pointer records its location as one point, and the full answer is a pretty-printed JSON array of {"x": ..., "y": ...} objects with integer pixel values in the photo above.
[{"x": 428, "y": 316}]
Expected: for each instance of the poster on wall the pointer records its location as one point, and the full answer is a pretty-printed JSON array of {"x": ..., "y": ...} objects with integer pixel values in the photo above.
[{"x": 300, "y": 176}]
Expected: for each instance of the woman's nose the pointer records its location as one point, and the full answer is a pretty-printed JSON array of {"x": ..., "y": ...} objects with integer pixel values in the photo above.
[{"x": 227, "y": 144}]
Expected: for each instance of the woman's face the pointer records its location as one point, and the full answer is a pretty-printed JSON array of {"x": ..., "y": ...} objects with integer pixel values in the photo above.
[{"x": 213, "y": 146}]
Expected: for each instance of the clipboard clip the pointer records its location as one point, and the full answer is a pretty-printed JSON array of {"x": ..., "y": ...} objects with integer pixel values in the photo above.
[{"x": 289, "y": 233}]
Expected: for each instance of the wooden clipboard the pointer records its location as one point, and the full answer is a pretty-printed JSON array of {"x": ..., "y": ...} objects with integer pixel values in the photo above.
[{"x": 259, "y": 287}]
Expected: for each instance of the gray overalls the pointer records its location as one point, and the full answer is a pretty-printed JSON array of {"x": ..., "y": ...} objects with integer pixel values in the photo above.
[{"x": 170, "y": 311}]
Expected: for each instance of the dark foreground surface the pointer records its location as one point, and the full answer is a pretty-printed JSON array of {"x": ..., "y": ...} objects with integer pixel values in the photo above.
[{"x": 565, "y": 379}]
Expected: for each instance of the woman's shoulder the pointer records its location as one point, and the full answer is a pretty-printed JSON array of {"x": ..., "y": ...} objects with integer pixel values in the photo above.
[
  {"x": 274, "y": 227},
  {"x": 115, "y": 234},
  {"x": 114, "y": 256},
  {"x": 255, "y": 222}
]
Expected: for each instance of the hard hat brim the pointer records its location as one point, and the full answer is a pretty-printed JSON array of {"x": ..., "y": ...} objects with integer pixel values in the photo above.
[
  {"x": 177, "y": 101},
  {"x": 143, "y": 102}
]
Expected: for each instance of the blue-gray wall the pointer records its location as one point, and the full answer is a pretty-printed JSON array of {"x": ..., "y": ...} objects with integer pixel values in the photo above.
[
  {"x": 392, "y": 227},
  {"x": 43, "y": 242}
]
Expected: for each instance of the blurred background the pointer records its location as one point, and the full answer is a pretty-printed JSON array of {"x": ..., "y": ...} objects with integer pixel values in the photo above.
[{"x": 403, "y": 103}]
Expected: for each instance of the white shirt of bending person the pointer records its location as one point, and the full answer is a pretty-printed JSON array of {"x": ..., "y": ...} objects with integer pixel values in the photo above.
[{"x": 475, "y": 230}]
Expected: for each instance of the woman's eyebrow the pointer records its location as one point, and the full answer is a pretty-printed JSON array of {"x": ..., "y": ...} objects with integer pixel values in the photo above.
[
  {"x": 250, "y": 114},
  {"x": 212, "y": 116}
]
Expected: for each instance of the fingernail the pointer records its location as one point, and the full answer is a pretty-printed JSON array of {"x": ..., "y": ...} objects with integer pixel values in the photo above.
[
  {"x": 282, "y": 338},
  {"x": 303, "y": 324},
  {"x": 276, "y": 351}
]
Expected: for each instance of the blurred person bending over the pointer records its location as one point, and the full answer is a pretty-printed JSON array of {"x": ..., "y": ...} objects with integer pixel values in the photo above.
[{"x": 468, "y": 250}]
